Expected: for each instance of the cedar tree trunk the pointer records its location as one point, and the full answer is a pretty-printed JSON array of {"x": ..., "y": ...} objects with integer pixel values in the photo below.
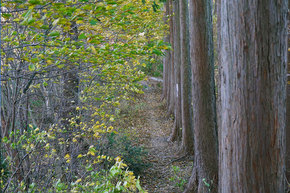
[
  {"x": 205, "y": 171},
  {"x": 253, "y": 91}
]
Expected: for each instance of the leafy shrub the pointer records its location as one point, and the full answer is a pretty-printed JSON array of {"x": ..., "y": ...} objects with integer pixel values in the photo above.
[
  {"x": 154, "y": 68},
  {"x": 132, "y": 155},
  {"x": 115, "y": 180}
]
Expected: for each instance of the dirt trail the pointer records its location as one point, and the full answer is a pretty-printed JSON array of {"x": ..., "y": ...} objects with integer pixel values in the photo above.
[{"x": 152, "y": 129}]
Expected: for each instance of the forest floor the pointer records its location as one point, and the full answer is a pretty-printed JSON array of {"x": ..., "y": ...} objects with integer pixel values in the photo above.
[{"x": 150, "y": 128}]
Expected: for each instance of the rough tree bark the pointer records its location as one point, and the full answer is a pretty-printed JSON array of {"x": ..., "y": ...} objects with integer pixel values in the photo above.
[
  {"x": 288, "y": 114},
  {"x": 187, "y": 133},
  {"x": 253, "y": 93},
  {"x": 205, "y": 171}
]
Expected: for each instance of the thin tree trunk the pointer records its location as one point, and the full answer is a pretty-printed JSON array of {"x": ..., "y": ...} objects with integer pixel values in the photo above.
[
  {"x": 205, "y": 172},
  {"x": 176, "y": 132},
  {"x": 166, "y": 59},
  {"x": 187, "y": 133},
  {"x": 171, "y": 103},
  {"x": 218, "y": 75},
  {"x": 253, "y": 92}
]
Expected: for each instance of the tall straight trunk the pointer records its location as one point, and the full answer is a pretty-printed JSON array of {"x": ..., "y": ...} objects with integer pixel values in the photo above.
[
  {"x": 171, "y": 95},
  {"x": 253, "y": 92},
  {"x": 205, "y": 172},
  {"x": 218, "y": 76},
  {"x": 175, "y": 133},
  {"x": 187, "y": 133},
  {"x": 166, "y": 59},
  {"x": 288, "y": 115}
]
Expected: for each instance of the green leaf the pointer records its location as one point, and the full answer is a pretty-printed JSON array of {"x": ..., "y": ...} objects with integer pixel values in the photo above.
[
  {"x": 138, "y": 185},
  {"x": 82, "y": 36},
  {"x": 60, "y": 66},
  {"x": 27, "y": 14},
  {"x": 55, "y": 22},
  {"x": 206, "y": 184},
  {"x": 6, "y": 15},
  {"x": 34, "y": 2},
  {"x": 45, "y": 84},
  {"x": 31, "y": 20},
  {"x": 93, "y": 22},
  {"x": 54, "y": 34},
  {"x": 31, "y": 67},
  {"x": 44, "y": 27}
]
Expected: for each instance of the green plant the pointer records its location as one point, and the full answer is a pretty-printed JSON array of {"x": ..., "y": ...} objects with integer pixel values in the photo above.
[
  {"x": 153, "y": 67},
  {"x": 115, "y": 180},
  {"x": 132, "y": 155},
  {"x": 180, "y": 181},
  {"x": 4, "y": 171},
  {"x": 208, "y": 185}
]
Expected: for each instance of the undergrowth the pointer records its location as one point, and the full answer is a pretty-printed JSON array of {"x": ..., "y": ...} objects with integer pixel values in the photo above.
[{"x": 133, "y": 155}]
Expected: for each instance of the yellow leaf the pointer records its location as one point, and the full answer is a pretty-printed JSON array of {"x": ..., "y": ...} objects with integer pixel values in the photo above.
[
  {"x": 118, "y": 159},
  {"x": 93, "y": 49},
  {"x": 49, "y": 62},
  {"x": 67, "y": 156}
]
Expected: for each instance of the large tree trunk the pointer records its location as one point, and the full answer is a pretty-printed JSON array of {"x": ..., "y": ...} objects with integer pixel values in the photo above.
[
  {"x": 253, "y": 93},
  {"x": 205, "y": 172},
  {"x": 187, "y": 133}
]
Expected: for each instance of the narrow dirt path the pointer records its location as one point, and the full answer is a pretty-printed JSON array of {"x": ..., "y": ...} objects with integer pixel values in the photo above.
[{"x": 152, "y": 129}]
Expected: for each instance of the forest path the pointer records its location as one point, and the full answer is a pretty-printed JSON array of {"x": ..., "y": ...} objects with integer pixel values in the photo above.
[{"x": 152, "y": 129}]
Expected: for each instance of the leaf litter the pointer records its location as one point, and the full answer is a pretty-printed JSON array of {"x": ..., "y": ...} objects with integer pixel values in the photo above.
[{"x": 147, "y": 122}]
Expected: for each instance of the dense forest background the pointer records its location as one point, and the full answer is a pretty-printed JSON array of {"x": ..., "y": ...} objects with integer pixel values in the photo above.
[{"x": 75, "y": 75}]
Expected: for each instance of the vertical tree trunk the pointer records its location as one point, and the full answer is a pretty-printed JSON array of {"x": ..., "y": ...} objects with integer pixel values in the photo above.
[
  {"x": 253, "y": 93},
  {"x": 205, "y": 172},
  {"x": 166, "y": 59},
  {"x": 288, "y": 113},
  {"x": 176, "y": 132},
  {"x": 171, "y": 95},
  {"x": 218, "y": 75},
  {"x": 187, "y": 133}
]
